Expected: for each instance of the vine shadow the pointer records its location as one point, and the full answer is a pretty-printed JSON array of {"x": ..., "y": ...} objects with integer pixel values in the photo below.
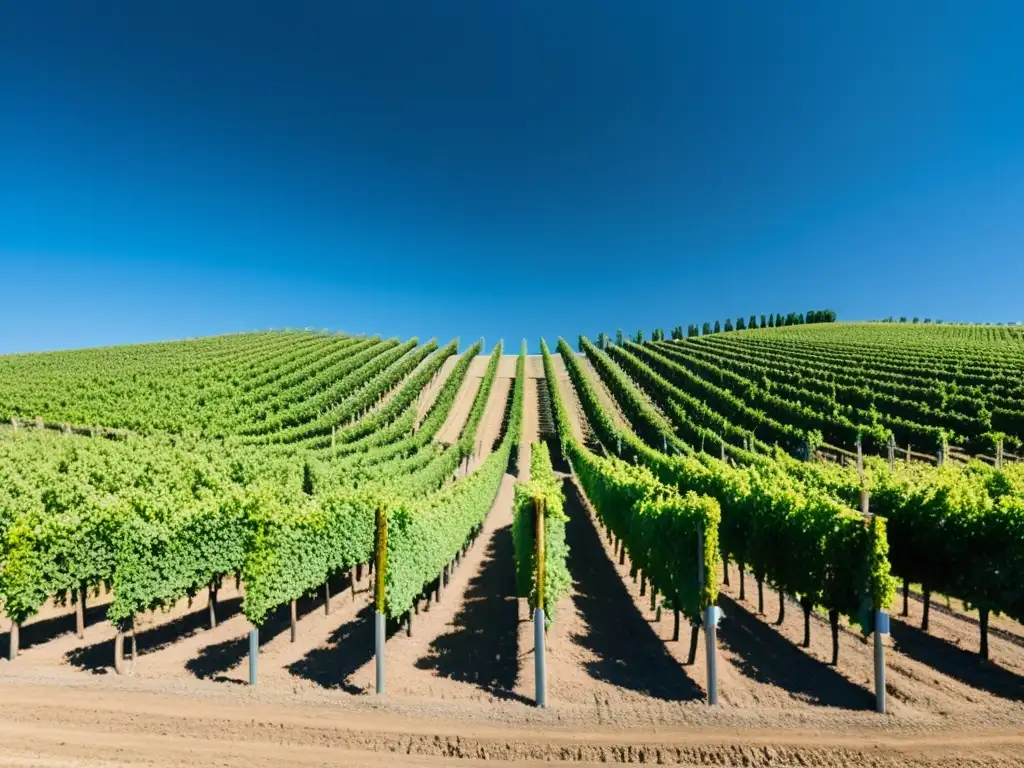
[
  {"x": 42, "y": 632},
  {"x": 98, "y": 658},
  {"x": 629, "y": 652},
  {"x": 483, "y": 646},
  {"x": 960, "y": 664},
  {"x": 768, "y": 657},
  {"x": 214, "y": 661}
]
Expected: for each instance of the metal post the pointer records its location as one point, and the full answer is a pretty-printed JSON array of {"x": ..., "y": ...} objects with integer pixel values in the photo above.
[
  {"x": 381, "y": 568},
  {"x": 881, "y": 623},
  {"x": 711, "y": 637},
  {"x": 540, "y": 667},
  {"x": 254, "y": 652},
  {"x": 378, "y": 649}
]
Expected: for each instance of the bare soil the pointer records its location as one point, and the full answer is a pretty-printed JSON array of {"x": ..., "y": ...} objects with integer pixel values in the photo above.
[
  {"x": 459, "y": 413},
  {"x": 434, "y": 386}
]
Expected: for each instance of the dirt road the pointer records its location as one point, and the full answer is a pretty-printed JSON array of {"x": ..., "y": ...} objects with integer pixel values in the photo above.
[{"x": 79, "y": 726}]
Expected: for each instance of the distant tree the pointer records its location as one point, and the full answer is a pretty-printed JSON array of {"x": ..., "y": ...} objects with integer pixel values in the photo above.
[
  {"x": 812, "y": 316},
  {"x": 764, "y": 322},
  {"x": 781, "y": 321},
  {"x": 707, "y": 329},
  {"x": 658, "y": 334},
  {"x": 618, "y": 337},
  {"x": 728, "y": 324},
  {"x": 692, "y": 330},
  {"x": 800, "y": 319},
  {"x": 718, "y": 327},
  {"x": 830, "y": 315},
  {"x": 677, "y": 333},
  {"x": 602, "y": 340},
  {"x": 752, "y": 322},
  {"x": 771, "y": 320},
  {"x": 903, "y": 319},
  {"x": 639, "y": 338},
  {"x": 916, "y": 320},
  {"x": 740, "y": 324}
]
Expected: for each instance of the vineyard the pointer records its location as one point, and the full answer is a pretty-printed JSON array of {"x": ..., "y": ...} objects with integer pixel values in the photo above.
[{"x": 813, "y": 525}]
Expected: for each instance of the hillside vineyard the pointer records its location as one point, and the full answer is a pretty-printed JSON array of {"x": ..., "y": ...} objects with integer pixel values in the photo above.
[{"x": 835, "y": 464}]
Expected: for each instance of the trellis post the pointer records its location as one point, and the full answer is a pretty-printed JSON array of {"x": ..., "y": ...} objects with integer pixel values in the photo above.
[
  {"x": 254, "y": 652},
  {"x": 379, "y": 571},
  {"x": 711, "y": 616},
  {"x": 540, "y": 666}
]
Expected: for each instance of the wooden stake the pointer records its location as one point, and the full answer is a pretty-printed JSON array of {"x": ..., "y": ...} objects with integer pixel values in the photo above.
[
  {"x": 295, "y": 627},
  {"x": 80, "y": 614},
  {"x": 538, "y": 508},
  {"x": 12, "y": 651},
  {"x": 213, "y": 606}
]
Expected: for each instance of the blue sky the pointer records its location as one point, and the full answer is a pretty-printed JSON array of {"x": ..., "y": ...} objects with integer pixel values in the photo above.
[{"x": 172, "y": 169}]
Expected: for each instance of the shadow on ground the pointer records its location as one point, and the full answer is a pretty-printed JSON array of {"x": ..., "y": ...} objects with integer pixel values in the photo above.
[
  {"x": 41, "y": 632},
  {"x": 214, "y": 661},
  {"x": 483, "y": 646},
  {"x": 349, "y": 647},
  {"x": 958, "y": 663},
  {"x": 629, "y": 652},
  {"x": 99, "y": 657},
  {"x": 767, "y": 657}
]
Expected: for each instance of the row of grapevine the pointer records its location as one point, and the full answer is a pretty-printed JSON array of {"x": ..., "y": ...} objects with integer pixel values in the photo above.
[
  {"x": 789, "y": 534},
  {"x": 543, "y": 488},
  {"x": 188, "y": 387},
  {"x": 657, "y": 526}
]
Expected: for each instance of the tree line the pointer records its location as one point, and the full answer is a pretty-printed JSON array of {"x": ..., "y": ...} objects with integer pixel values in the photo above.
[{"x": 766, "y": 321}]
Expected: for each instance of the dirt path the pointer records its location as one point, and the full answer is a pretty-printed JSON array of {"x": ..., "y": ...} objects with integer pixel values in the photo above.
[
  {"x": 609, "y": 403},
  {"x": 463, "y": 647},
  {"x": 576, "y": 418},
  {"x": 534, "y": 378},
  {"x": 85, "y": 727},
  {"x": 456, "y": 420},
  {"x": 434, "y": 386},
  {"x": 490, "y": 426}
]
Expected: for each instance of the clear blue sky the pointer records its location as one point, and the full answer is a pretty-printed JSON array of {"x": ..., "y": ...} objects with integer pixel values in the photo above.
[{"x": 510, "y": 169}]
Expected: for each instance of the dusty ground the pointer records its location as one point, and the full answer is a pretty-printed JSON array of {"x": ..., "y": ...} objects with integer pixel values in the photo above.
[{"x": 460, "y": 688}]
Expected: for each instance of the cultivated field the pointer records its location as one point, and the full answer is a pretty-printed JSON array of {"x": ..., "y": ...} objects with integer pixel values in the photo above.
[{"x": 251, "y": 473}]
